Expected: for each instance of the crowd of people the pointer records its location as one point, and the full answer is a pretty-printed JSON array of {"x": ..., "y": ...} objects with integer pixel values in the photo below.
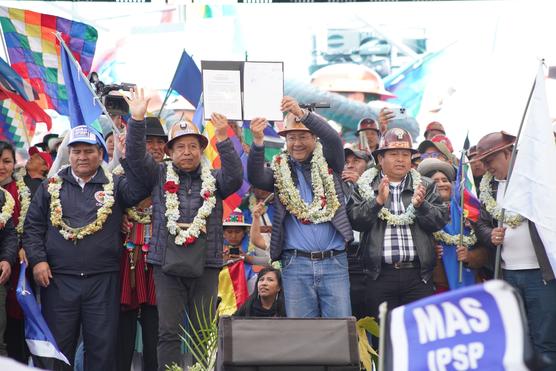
[{"x": 329, "y": 229}]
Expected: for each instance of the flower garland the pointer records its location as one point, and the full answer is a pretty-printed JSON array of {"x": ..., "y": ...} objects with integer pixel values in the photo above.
[
  {"x": 138, "y": 215},
  {"x": 366, "y": 191},
  {"x": 24, "y": 198},
  {"x": 171, "y": 188},
  {"x": 454, "y": 240},
  {"x": 325, "y": 200},
  {"x": 7, "y": 208},
  {"x": 511, "y": 219},
  {"x": 56, "y": 212}
]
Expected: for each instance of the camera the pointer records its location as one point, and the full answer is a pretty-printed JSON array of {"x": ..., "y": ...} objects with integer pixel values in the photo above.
[
  {"x": 234, "y": 251},
  {"x": 115, "y": 104}
]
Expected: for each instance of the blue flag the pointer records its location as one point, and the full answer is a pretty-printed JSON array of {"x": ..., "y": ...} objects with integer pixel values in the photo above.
[
  {"x": 187, "y": 80},
  {"x": 198, "y": 117},
  {"x": 83, "y": 108},
  {"x": 37, "y": 334},
  {"x": 11, "y": 80}
]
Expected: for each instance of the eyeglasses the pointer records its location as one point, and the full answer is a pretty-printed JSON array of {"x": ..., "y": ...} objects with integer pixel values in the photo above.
[{"x": 431, "y": 155}]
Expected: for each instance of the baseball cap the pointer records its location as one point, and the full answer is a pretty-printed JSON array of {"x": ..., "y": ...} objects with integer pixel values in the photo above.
[{"x": 87, "y": 135}]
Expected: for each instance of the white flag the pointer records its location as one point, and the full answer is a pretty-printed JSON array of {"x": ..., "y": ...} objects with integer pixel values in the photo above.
[{"x": 532, "y": 187}]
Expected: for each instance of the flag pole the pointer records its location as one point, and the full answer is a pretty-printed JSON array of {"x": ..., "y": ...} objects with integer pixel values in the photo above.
[
  {"x": 62, "y": 42},
  {"x": 382, "y": 310},
  {"x": 510, "y": 170},
  {"x": 461, "y": 219},
  {"x": 169, "y": 91}
]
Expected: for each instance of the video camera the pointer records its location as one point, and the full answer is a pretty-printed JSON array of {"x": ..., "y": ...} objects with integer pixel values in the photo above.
[
  {"x": 312, "y": 106},
  {"x": 115, "y": 104}
]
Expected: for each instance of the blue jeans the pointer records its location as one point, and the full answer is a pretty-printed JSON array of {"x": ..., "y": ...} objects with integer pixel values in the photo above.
[
  {"x": 540, "y": 306},
  {"x": 316, "y": 288}
]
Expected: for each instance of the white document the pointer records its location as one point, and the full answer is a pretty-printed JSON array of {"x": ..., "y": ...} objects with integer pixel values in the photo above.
[
  {"x": 222, "y": 93},
  {"x": 263, "y": 90}
]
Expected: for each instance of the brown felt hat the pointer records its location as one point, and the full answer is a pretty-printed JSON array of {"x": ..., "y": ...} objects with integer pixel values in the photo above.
[
  {"x": 291, "y": 123},
  {"x": 492, "y": 143}
]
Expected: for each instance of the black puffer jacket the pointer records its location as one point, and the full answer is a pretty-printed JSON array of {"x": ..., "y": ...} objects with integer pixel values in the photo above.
[
  {"x": 430, "y": 217},
  {"x": 8, "y": 238},
  {"x": 228, "y": 180}
]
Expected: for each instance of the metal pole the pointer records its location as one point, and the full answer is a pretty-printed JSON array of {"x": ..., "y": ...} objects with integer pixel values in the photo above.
[
  {"x": 461, "y": 219},
  {"x": 382, "y": 311},
  {"x": 114, "y": 127},
  {"x": 510, "y": 170},
  {"x": 169, "y": 91}
]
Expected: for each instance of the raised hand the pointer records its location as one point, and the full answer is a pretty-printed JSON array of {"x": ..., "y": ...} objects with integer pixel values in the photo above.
[
  {"x": 221, "y": 126},
  {"x": 383, "y": 191},
  {"x": 289, "y": 104},
  {"x": 419, "y": 196},
  {"x": 384, "y": 117},
  {"x": 350, "y": 176},
  {"x": 257, "y": 126},
  {"x": 137, "y": 104}
]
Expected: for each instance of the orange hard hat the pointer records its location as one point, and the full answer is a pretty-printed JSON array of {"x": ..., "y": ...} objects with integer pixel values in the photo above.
[{"x": 348, "y": 78}]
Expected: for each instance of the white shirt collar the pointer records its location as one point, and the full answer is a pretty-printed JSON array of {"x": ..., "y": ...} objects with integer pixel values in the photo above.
[{"x": 81, "y": 181}]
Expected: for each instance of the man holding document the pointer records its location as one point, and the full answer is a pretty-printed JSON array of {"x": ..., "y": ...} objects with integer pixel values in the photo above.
[{"x": 310, "y": 224}]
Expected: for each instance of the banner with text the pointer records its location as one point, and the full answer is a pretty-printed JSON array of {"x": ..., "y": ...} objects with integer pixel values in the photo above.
[{"x": 480, "y": 327}]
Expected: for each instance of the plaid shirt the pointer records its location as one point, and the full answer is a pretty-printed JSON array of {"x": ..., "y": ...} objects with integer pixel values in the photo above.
[{"x": 398, "y": 242}]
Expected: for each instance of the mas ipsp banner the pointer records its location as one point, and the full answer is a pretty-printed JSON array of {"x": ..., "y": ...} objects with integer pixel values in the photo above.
[{"x": 475, "y": 328}]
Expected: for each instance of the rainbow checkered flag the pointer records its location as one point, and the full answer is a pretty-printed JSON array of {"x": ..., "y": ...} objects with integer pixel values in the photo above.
[
  {"x": 15, "y": 126},
  {"x": 34, "y": 51}
]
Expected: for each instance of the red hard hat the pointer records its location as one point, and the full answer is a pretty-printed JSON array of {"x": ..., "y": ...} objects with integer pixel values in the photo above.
[
  {"x": 435, "y": 125},
  {"x": 367, "y": 124}
]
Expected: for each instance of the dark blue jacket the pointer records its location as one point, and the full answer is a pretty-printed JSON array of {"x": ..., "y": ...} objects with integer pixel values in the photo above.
[
  {"x": 153, "y": 176},
  {"x": 96, "y": 253}
]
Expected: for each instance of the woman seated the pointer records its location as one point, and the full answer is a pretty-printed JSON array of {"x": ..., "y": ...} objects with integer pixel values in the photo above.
[{"x": 268, "y": 300}]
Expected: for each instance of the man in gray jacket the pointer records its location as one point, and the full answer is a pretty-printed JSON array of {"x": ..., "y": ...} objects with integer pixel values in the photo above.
[
  {"x": 310, "y": 225},
  {"x": 187, "y": 215},
  {"x": 397, "y": 210}
]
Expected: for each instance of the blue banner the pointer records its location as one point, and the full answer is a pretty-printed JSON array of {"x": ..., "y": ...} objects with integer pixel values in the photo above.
[{"x": 475, "y": 328}]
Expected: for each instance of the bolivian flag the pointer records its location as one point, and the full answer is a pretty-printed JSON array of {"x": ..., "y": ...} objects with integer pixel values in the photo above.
[{"x": 232, "y": 288}]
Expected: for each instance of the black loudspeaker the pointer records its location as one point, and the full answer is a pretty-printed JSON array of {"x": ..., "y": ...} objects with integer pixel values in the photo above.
[{"x": 293, "y": 344}]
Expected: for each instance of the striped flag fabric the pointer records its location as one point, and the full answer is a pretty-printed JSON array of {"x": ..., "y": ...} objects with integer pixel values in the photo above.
[
  {"x": 34, "y": 51},
  {"x": 10, "y": 80},
  {"x": 471, "y": 204},
  {"x": 211, "y": 153},
  {"x": 15, "y": 126},
  {"x": 232, "y": 288},
  {"x": 38, "y": 336}
]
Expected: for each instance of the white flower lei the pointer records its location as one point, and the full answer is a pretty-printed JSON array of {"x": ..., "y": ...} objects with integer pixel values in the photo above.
[
  {"x": 366, "y": 191},
  {"x": 511, "y": 219},
  {"x": 7, "y": 208},
  {"x": 24, "y": 198},
  {"x": 138, "y": 215},
  {"x": 325, "y": 200},
  {"x": 448, "y": 239},
  {"x": 56, "y": 211},
  {"x": 208, "y": 187}
]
